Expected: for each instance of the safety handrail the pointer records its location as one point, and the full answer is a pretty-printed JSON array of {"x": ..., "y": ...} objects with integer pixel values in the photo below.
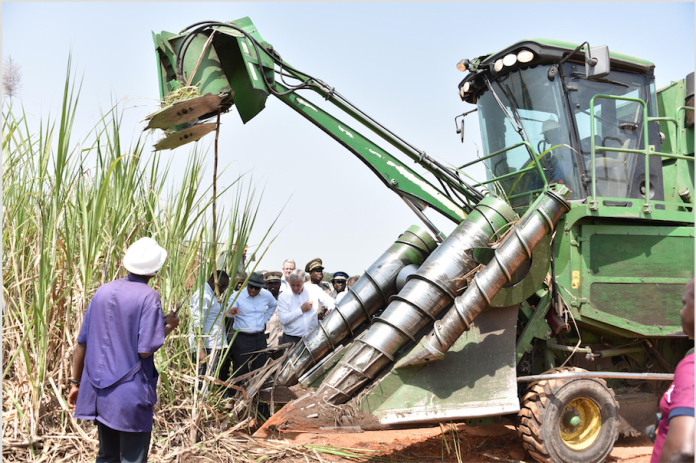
[
  {"x": 532, "y": 155},
  {"x": 647, "y": 207}
]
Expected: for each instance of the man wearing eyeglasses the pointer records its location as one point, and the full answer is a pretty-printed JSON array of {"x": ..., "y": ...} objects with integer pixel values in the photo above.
[{"x": 251, "y": 308}]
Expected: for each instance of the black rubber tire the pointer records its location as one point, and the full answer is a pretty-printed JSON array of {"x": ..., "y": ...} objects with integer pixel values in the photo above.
[{"x": 541, "y": 412}]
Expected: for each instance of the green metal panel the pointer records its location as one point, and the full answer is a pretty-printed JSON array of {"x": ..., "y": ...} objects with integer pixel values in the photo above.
[
  {"x": 476, "y": 378},
  {"x": 678, "y": 175},
  {"x": 537, "y": 327},
  {"x": 229, "y": 64},
  {"x": 640, "y": 251},
  {"x": 669, "y": 100},
  {"x": 660, "y": 302},
  {"x": 633, "y": 275},
  {"x": 239, "y": 61},
  {"x": 209, "y": 76}
]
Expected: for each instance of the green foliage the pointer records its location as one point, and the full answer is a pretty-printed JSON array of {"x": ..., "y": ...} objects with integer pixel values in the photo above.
[{"x": 70, "y": 212}]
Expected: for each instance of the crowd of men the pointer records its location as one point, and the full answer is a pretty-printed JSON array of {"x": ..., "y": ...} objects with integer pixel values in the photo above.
[
  {"x": 273, "y": 309},
  {"x": 114, "y": 379}
]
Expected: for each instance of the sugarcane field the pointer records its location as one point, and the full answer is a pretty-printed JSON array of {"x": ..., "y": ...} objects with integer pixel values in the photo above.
[{"x": 347, "y": 277}]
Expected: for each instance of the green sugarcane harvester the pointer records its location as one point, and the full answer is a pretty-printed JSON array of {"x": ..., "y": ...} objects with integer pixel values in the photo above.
[{"x": 555, "y": 300}]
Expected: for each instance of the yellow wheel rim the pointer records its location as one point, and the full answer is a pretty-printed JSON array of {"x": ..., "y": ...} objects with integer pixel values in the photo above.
[{"x": 580, "y": 423}]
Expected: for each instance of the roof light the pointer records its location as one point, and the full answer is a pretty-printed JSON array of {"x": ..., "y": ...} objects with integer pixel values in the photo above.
[
  {"x": 463, "y": 65},
  {"x": 466, "y": 86},
  {"x": 461, "y": 92},
  {"x": 509, "y": 60},
  {"x": 498, "y": 66},
  {"x": 525, "y": 56}
]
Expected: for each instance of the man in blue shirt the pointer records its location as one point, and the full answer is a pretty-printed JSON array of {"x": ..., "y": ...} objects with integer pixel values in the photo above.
[
  {"x": 251, "y": 308},
  {"x": 207, "y": 336},
  {"x": 114, "y": 378}
]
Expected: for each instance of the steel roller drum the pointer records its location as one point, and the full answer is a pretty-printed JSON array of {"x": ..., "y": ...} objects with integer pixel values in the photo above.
[
  {"x": 368, "y": 296},
  {"x": 427, "y": 293}
]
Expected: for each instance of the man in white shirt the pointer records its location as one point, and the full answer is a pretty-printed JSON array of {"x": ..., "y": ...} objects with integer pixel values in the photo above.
[
  {"x": 251, "y": 308},
  {"x": 298, "y": 308},
  {"x": 288, "y": 266},
  {"x": 315, "y": 269},
  {"x": 273, "y": 330},
  {"x": 207, "y": 335}
]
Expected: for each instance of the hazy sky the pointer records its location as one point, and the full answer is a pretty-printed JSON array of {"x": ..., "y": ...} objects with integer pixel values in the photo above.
[{"x": 395, "y": 61}]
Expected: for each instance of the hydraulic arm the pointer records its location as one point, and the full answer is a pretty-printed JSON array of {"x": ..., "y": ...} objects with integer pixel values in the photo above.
[{"x": 229, "y": 64}]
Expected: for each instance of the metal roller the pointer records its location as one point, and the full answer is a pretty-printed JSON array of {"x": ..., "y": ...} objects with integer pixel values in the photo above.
[
  {"x": 369, "y": 295},
  {"x": 424, "y": 297},
  {"x": 537, "y": 222}
]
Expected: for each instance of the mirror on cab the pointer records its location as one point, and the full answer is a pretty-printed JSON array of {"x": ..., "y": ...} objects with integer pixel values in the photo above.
[{"x": 597, "y": 62}]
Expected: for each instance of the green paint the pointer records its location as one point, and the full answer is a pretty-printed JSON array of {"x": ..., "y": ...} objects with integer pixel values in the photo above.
[
  {"x": 632, "y": 255},
  {"x": 571, "y": 420}
]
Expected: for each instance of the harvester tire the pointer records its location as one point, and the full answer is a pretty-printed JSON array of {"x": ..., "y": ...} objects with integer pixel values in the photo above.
[{"x": 574, "y": 420}]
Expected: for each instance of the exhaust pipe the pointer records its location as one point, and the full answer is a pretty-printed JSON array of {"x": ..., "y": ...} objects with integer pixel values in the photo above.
[
  {"x": 539, "y": 221},
  {"x": 369, "y": 295},
  {"x": 426, "y": 294}
]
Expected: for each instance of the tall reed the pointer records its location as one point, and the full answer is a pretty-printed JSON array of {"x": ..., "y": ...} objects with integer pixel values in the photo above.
[{"x": 70, "y": 212}]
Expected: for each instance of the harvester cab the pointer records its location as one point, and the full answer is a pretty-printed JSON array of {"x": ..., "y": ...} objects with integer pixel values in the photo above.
[
  {"x": 573, "y": 112},
  {"x": 556, "y": 297}
]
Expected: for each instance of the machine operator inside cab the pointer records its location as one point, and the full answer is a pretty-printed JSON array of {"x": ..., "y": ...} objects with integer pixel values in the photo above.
[{"x": 523, "y": 94}]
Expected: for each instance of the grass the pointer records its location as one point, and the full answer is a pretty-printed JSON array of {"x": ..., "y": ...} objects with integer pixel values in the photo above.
[{"x": 70, "y": 212}]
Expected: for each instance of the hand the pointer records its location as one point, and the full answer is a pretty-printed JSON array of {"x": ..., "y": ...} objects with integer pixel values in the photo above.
[
  {"x": 171, "y": 322},
  {"x": 202, "y": 355},
  {"x": 233, "y": 311},
  {"x": 307, "y": 306},
  {"x": 72, "y": 396}
]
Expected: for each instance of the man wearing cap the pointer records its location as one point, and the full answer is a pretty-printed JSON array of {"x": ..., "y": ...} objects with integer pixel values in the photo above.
[
  {"x": 114, "y": 378},
  {"x": 273, "y": 330},
  {"x": 315, "y": 270},
  {"x": 251, "y": 308},
  {"x": 207, "y": 333},
  {"x": 339, "y": 284},
  {"x": 297, "y": 309}
]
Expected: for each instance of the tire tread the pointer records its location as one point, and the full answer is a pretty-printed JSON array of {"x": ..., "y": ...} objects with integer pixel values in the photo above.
[{"x": 533, "y": 407}]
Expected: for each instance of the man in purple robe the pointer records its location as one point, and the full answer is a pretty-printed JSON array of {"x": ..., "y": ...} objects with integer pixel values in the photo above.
[{"x": 114, "y": 376}]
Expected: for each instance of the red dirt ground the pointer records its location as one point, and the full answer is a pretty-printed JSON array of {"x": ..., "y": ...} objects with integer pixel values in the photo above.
[{"x": 498, "y": 442}]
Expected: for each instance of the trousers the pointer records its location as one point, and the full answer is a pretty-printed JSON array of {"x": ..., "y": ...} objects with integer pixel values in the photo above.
[
  {"x": 242, "y": 347},
  {"x": 120, "y": 446}
]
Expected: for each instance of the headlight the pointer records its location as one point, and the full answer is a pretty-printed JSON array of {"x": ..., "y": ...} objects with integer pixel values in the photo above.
[
  {"x": 525, "y": 56},
  {"x": 509, "y": 60}
]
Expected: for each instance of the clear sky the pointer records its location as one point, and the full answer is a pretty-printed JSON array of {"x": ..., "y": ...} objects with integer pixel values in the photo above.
[{"x": 395, "y": 61}]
